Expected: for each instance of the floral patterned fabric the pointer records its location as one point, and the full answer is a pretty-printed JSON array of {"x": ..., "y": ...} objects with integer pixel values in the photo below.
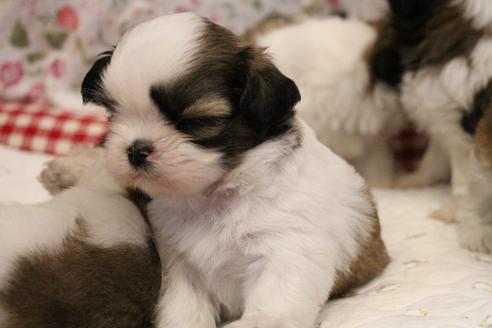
[{"x": 46, "y": 46}]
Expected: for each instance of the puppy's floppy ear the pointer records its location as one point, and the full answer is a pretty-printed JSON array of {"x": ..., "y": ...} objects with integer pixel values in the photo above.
[
  {"x": 92, "y": 90},
  {"x": 268, "y": 99},
  {"x": 386, "y": 66}
]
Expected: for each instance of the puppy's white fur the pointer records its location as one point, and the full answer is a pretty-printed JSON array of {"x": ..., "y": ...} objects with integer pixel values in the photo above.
[
  {"x": 134, "y": 69},
  {"x": 479, "y": 11},
  {"x": 327, "y": 58},
  {"x": 267, "y": 242},
  {"x": 264, "y": 241}
]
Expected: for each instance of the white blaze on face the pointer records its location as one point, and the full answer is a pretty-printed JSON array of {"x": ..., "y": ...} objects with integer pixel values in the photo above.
[{"x": 155, "y": 52}]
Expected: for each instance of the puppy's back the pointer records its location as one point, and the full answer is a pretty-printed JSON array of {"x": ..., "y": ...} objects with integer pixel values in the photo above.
[{"x": 83, "y": 286}]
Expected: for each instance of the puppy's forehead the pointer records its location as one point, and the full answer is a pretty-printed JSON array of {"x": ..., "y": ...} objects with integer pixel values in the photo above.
[{"x": 157, "y": 51}]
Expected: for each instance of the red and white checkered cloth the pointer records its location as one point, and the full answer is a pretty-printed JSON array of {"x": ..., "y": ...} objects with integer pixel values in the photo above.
[{"x": 43, "y": 128}]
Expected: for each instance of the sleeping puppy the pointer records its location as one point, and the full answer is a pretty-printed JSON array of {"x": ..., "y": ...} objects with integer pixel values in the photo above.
[
  {"x": 82, "y": 259},
  {"x": 442, "y": 51},
  {"x": 352, "y": 112},
  {"x": 259, "y": 223}
]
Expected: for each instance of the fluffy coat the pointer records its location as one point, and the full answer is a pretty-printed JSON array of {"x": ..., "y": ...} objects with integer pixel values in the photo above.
[{"x": 258, "y": 222}]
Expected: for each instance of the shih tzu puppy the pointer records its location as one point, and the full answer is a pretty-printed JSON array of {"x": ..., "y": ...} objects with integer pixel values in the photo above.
[
  {"x": 352, "y": 112},
  {"x": 82, "y": 259},
  {"x": 257, "y": 222},
  {"x": 440, "y": 54}
]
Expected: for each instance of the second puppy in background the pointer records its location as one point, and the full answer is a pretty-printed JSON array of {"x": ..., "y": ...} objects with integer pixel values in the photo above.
[
  {"x": 351, "y": 114},
  {"x": 351, "y": 110}
]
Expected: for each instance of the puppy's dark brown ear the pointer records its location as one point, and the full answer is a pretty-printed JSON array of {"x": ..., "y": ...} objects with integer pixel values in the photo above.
[
  {"x": 92, "y": 90},
  {"x": 411, "y": 8},
  {"x": 268, "y": 100}
]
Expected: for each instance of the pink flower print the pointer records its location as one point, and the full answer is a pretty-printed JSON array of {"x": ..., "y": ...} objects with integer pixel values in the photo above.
[
  {"x": 68, "y": 18},
  {"x": 57, "y": 68},
  {"x": 11, "y": 73}
]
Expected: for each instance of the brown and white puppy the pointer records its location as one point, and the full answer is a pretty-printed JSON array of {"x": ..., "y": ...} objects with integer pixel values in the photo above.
[
  {"x": 258, "y": 222},
  {"x": 438, "y": 54},
  {"x": 82, "y": 259}
]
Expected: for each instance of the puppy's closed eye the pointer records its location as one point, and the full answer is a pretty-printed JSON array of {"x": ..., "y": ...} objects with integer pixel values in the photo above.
[{"x": 196, "y": 124}]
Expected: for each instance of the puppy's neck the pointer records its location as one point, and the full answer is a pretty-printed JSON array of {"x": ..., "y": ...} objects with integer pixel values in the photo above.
[{"x": 261, "y": 165}]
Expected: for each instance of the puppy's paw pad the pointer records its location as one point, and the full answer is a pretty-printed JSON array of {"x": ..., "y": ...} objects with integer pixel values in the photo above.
[
  {"x": 56, "y": 177},
  {"x": 64, "y": 172},
  {"x": 477, "y": 238}
]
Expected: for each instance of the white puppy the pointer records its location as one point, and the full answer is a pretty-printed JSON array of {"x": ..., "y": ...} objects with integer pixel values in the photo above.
[
  {"x": 81, "y": 259},
  {"x": 258, "y": 222},
  {"x": 351, "y": 112}
]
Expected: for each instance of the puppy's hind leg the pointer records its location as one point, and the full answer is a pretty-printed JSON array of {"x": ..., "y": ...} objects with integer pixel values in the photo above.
[
  {"x": 474, "y": 216},
  {"x": 64, "y": 172}
]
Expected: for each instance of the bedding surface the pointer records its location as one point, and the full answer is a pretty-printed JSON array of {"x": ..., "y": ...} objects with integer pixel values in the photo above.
[{"x": 430, "y": 282}]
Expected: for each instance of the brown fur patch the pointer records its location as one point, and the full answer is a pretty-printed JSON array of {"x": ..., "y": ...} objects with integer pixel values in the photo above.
[
  {"x": 84, "y": 286},
  {"x": 445, "y": 36},
  {"x": 483, "y": 140},
  {"x": 209, "y": 107},
  {"x": 431, "y": 34},
  {"x": 268, "y": 24},
  {"x": 370, "y": 262},
  {"x": 482, "y": 103}
]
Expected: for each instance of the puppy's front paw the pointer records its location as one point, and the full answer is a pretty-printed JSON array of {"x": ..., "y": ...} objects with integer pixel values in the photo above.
[
  {"x": 446, "y": 214},
  {"x": 259, "y": 322},
  {"x": 64, "y": 172},
  {"x": 476, "y": 237}
]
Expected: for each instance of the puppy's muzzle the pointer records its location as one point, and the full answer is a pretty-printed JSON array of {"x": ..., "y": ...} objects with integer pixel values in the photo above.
[{"x": 139, "y": 152}]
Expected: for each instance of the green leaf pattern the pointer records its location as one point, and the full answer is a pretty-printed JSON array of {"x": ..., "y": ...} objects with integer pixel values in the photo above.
[
  {"x": 19, "y": 37},
  {"x": 35, "y": 34}
]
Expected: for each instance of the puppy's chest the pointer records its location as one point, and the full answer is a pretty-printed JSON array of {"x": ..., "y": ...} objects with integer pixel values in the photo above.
[
  {"x": 213, "y": 238},
  {"x": 217, "y": 242}
]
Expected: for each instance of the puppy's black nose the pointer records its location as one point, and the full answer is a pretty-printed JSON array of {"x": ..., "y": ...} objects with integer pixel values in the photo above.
[{"x": 138, "y": 153}]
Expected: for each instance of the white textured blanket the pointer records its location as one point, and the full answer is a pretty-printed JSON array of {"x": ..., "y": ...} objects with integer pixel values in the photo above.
[{"x": 430, "y": 282}]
